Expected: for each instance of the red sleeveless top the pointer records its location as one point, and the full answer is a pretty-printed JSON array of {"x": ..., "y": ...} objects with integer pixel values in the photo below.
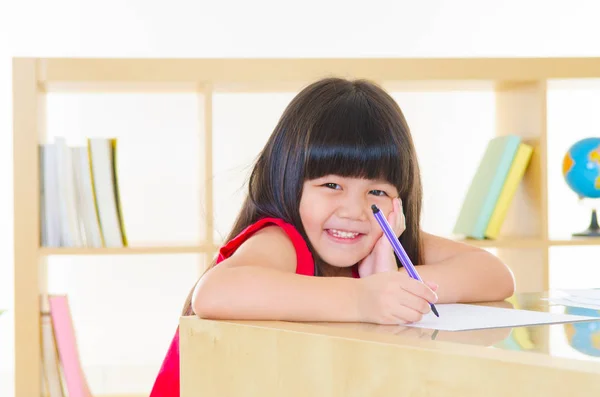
[{"x": 167, "y": 381}]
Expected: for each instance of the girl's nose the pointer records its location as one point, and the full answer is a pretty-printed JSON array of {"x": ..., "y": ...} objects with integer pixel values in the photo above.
[{"x": 353, "y": 209}]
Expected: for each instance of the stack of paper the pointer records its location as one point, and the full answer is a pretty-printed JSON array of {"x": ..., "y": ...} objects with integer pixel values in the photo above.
[{"x": 586, "y": 298}]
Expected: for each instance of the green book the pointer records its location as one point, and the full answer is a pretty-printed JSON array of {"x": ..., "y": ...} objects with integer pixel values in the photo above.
[{"x": 486, "y": 186}]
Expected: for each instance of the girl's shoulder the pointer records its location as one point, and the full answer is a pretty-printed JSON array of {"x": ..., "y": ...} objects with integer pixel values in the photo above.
[{"x": 272, "y": 233}]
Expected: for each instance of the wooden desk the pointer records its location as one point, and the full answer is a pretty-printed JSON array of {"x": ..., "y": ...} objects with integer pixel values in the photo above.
[{"x": 281, "y": 359}]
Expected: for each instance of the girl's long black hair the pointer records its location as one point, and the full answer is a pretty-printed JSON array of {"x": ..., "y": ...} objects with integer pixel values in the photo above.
[{"x": 334, "y": 126}]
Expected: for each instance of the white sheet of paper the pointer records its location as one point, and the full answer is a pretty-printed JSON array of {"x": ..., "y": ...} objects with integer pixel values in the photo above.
[
  {"x": 585, "y": 298},
  {"x": 462, "y": 317},
  {"x": 584, "y": 294},
  {"x": 582, "y": 300},
  {"x": 574, "y": 303}
]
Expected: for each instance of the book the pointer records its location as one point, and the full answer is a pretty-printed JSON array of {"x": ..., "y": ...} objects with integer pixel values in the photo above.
[
  {"x": 80, "y": 204},
  {"x": 486, "y": 186},
  {"x": 513, "y": 179},
  {"x": 52, "y": 376},
  {"x": 101, "y": 153},
  {"x": 71, "y": 371},
  {"x": 67, "y": 196},
  {"x": 88, "y": 216},
  {"x": 50, "y": 208},
  {"x": 113, "y": 143}
]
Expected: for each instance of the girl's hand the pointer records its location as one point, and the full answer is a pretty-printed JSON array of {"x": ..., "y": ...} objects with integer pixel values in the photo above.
[
  {"x": 393, "y": 298},
  {"x": 382, "y": 258}
]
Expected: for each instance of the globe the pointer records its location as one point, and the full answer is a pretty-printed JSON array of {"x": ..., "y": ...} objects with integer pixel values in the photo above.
[
  {"x": 584, "y": 336},
  {"x": 581, "y": 168}
]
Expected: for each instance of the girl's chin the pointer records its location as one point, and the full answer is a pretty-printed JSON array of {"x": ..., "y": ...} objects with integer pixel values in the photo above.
[
  {"x": 341, "y": 261},
  {"x": 341, "y": 265},
  {"x": 342, "y": 255}
]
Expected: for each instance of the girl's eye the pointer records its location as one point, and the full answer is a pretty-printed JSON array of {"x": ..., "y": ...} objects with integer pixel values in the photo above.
[
  {"x": 380, "y": 193},
  {"x": 331, "y": 185}
]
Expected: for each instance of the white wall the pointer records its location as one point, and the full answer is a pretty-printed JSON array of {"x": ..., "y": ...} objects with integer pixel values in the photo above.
[{"x": 151, "y": 288}]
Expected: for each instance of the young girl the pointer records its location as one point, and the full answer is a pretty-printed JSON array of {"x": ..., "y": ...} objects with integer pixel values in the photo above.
[{"x": 306, "y": 246}]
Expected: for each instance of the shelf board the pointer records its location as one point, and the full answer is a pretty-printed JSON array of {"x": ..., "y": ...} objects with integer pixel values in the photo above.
[
  {"x": 575, "y": 241},
  {"x": 138, "y": 250},
  {"x": 528, "y": 242},
  {"x": 124, "y": 395},
  {"x": 265, "y": 70},
  {"x": 508, "y": 242}
]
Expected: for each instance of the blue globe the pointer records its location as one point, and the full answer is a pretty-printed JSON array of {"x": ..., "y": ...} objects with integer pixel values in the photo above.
[
  {"x": 584, "y": 336},
  {"x": 581, "y": 167}
]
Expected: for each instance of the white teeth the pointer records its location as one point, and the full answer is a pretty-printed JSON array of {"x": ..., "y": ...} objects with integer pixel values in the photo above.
[{"x": 343, "y": 234}]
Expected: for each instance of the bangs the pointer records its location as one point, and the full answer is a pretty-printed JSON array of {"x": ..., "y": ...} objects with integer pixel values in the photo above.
[{"x": 352, "y": 138}]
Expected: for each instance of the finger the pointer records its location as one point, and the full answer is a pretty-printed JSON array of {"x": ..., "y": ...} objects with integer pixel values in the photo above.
[
  {"x": 383, "y": 244},
  {"x": 414, "y": 302},
  {"x": 405, "y": 315},
  {"x": 417, "y": 288},
  {"x": 432, "y": 285},
  {"x": 400, "y": 218},
  {"x": 395, "y": 217},
  {"x": 400, "y": 208},
  {"x": 392, "y": 220}
]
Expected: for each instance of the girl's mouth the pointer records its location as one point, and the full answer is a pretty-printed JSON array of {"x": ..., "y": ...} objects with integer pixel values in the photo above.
[{"x": 343, "y": 236}]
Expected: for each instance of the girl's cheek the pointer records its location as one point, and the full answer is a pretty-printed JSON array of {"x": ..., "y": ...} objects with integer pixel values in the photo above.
[{"x": 376, "y": 231}]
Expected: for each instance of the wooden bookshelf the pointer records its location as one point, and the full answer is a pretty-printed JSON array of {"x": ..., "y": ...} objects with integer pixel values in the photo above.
[{"x": 520, "y": 85}]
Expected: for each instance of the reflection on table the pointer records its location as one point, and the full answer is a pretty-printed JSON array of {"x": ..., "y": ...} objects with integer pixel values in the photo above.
[
  {"x": 273, "y": 358},
  {"x": 570, "y": 340}
]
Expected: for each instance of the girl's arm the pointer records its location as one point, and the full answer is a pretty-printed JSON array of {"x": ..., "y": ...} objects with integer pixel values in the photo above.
[
  {"x": 464, "y": 273},
  {"x": 259, "y": 281}
]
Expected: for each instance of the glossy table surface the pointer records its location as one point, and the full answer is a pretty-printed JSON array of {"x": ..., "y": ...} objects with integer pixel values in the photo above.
[
  {"x": 274, "y": 358},
  {"x": 578, "y": 340}
]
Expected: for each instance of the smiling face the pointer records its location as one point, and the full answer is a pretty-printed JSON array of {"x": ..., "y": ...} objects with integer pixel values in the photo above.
[
  {"x": 337, "y": 217},
  {"x": 355, "y": 133}
]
